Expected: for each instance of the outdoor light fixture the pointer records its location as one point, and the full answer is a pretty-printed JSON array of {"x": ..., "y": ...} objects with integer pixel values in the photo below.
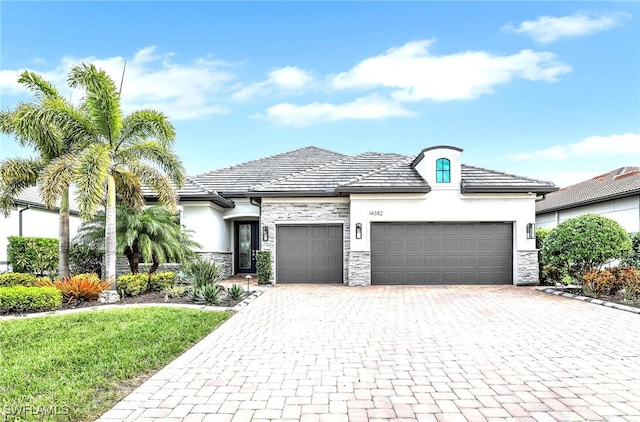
[
  {"x": 358, "y": 231},
  {"x": 265, "y": 234},
  {"x": 531, "y": 231}
]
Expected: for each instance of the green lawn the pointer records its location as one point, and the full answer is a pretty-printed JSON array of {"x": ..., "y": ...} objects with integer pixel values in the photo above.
[{"x": 75, "y": 367}]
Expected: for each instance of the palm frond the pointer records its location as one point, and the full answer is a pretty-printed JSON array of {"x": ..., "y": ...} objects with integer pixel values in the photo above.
[
  {"x": 39, "y": 86},
  {"x": 15, "y": 176},
  {"x": 155, "y": 154},
  {"x": 158, "y": 183},
  {"x": 91, "y": 173},
  {"x": 147, "y": 124},
  {"x": 128, "y": 188},
  {"x": 55, "y": 178},
  {"x": 102, "y": 101}
]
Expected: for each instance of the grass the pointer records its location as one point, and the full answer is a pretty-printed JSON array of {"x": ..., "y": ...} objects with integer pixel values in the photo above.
[{"x": 75, "y": 367}]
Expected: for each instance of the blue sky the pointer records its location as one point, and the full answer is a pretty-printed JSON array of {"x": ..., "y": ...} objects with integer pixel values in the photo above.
[{"x": 542, "y": 89}]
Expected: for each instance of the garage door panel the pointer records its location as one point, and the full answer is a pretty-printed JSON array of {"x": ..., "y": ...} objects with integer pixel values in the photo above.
[
  {"x": 309, "y": 254},
  {"x": 441, "y": 253}
]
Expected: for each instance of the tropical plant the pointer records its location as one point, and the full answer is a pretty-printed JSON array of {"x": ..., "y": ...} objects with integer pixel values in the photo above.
[
  {"x": 263, "y": 265},
  {"x": 85, "y": 259},
  {"x": 123, "y": 152},
  {"x": 78, "y": 287},
  {"x": 17, "y": 279},
  {"x": 133, "y": 284},
  {"x": 208, "y": 294},
  {"x": 584, "y": 243},
  {"x": 201, "y": 272},
  {"x": 35, "y": 255},
  {"x": 143, "y": 235},
  {"x": 29, "y": 299},
  {"x": 633, "y": 258},
  {"x": 33, "y": 125},
  {"x": 235, "y": 292}
]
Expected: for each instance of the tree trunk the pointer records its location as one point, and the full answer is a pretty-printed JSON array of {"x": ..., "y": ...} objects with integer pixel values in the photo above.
[
  {"x": 154, "y": 265},
  {"x": 63, "y": 237},
  {"x": 110, "y": 232},
  {"x": 133, "y": 256}
]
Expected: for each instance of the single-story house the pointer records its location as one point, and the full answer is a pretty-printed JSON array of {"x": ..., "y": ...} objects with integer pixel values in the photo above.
[
  {"x": 31, "y": 218},
  {"x": 615, "y": 195},
  {"x": 372, "y": 218}
]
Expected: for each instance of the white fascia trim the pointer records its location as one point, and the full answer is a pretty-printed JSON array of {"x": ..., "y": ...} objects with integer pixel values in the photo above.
[
  {"x": 307, "y": 222},
  {"x": 306, "y": 200}
]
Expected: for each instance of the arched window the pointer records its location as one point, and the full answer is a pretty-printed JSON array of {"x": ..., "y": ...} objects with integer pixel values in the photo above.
[{"x": 443, "y": 170}]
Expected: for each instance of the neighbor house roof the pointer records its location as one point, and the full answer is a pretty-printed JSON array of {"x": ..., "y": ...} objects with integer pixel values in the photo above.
[
  {"x": 31, "y": 197},
  {"x": 313, "y": 171},
  {"x": 619, "y": 183}
]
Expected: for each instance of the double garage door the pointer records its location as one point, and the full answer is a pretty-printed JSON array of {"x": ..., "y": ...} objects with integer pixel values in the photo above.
[
  {"x": 401, "y": 253},
  {"x": 309, "y": 254},
  {"x": 441, "y": 253}
]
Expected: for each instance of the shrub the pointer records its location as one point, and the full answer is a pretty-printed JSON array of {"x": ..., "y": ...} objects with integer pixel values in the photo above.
[
  {"x": 207, "y": 294},
  {"x": 547, "y": 274},
  {"x": 175, "y": 291},
  {"x": 35, "y": 255},
  {"x": 133, "y": 284},
  {"x": 633, "y": 258},
  {"x": 201, "y": 272},
  {"x": 17, "y": 279},
  {"x": 631, "y": 282},
  {"x": 84, "y": 259},
  {"x": 600, "y": 282},
  {"x": 235, "y": 292},
  {"x": 79, "y": 287},
  {"x": 29, "y": 299},
  {"x": 583, "y": 243},
  {"x": 161, "y": 281},
  {"x": 263, "y": 264}
]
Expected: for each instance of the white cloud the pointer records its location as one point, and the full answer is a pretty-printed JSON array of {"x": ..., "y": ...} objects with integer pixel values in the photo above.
[
  {"x": 288, "y": 78},
  {"x": 627, "y": 144},
  {"x": 151, "y": 80},
  {"x": 365, "y": 108},
  {"x": 546, "y": 29},
  {"x": 415, "y": 74}
]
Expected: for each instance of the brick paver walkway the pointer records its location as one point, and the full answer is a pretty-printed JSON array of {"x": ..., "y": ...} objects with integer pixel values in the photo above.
[{"x": 333, "y": 353}]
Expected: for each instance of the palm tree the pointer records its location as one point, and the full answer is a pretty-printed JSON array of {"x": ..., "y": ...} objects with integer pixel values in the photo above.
[
  {"x": 33, "y": 126},
  {"x": 143, "y": 235},
  {"x": 124, "y": 151}
]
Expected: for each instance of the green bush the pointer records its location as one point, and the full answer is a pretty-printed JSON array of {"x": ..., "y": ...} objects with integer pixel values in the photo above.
[
  {"x": 161, "y": 281},
  {"x": 207, "y": 294},
  {"x": 584, "y": 243},
  {"x": 633, "y": 258},
  {"x": 35, "y": 255},
  {"x": 29, "y": 299},
  {"x": 235, "y": 292},
  {"x": 546, "y": 274},
  {"x": 84, "y": 259},
  {"x": 201, "y": 272},
  {"x": 133, "y": 284},
  {"x": 17, "y": 279},
  {"x": 541, "y": 235},
  {"x": 263, "y": 264}
]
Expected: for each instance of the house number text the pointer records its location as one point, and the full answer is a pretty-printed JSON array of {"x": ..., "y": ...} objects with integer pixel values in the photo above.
[{"x": 375, "y": 213}]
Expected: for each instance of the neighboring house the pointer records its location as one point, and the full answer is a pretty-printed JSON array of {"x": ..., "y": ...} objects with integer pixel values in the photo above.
[
  {"x": 615, "y": 195},
  {"x": 31, "y": 218},
  {"x": 372, "y": 218}
]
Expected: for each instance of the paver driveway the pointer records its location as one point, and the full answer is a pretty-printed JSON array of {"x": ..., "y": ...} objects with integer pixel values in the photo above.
[{"x": 403, "y": 353}]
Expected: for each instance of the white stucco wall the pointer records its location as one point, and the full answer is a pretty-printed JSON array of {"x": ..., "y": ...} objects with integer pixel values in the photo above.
[
  {"x": 36, "y": 222},
  {"x": 625, "y": 211},
  {"x": 209, "y": 227}
]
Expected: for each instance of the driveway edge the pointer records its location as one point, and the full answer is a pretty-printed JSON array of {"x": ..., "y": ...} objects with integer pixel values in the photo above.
[{"x": 613, "y": 305}]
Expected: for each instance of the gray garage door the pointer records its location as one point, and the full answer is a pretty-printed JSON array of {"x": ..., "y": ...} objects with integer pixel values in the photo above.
[
  {"x": 309, "y": 254},
  {"x": 441, "y": 253}
]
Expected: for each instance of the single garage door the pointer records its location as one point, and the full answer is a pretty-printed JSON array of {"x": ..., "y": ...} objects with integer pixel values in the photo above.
[
  {"x": 309, "y": 254},
  {"x": 441, "y": 253}
]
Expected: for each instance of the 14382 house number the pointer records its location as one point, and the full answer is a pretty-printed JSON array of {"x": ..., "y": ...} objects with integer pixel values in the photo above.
[{"x": 375, "y": 213}]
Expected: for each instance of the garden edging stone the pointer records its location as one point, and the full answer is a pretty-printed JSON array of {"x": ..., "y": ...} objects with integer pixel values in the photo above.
[
  {"x": 590, "y": 300},
  {"x": 237, "y": 307}
]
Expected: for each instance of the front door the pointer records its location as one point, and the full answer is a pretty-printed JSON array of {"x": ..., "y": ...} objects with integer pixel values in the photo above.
[{"x": 246, "y": 234}]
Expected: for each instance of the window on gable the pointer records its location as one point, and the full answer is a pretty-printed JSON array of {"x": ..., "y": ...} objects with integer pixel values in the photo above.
[{"x": 443, "y": 170}]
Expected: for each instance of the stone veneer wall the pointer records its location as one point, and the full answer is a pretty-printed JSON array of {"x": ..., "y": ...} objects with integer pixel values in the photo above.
[
  {"x": 359, "y": 268},
  {"x": 221, "y": 259},
  {"x": 308, "y": 212},
  {"x": 528, "y": 270}
]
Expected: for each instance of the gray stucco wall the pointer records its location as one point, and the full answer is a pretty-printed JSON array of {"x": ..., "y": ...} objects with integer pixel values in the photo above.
[{"x": 274, "y": 213}]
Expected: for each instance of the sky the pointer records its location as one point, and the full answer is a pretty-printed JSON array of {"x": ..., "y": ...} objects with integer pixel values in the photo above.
[{"x": 549, "y": 90}]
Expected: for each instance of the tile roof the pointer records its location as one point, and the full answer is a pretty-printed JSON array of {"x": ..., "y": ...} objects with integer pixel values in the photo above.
[
  {"x": 478, "y": 179},
  {"x": 618, "y": 183},
  {"x": 31, "y": 196},
  {"x": 316, "y": 171},
  {"x": 236, "y": 180}
]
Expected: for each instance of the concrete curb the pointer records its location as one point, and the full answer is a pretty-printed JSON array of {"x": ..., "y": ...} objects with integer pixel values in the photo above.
[
  {"x": 238, "y": 307},
  {"x": 613, "y": 305}
]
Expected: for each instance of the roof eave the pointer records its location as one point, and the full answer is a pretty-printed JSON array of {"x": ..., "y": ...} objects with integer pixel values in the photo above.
[
  {"x": 384, "y": 189},
  {"x": 538, "y": 190},
  {"x": 216, "y": 199},
  {"x": 589, "y": 202},
  {"x": 42, "y": 206},
  {"x": 296, "y": 193}
]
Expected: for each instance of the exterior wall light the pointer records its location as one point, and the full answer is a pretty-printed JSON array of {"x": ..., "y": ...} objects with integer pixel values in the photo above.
[
  {"x": 531, "y": 231},
  {"x": 358, "y": 230},
  {"x": 265, "y": 234}
]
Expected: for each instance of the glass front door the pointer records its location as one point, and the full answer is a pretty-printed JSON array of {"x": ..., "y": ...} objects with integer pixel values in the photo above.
[{"x": 246, "y": 246}]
